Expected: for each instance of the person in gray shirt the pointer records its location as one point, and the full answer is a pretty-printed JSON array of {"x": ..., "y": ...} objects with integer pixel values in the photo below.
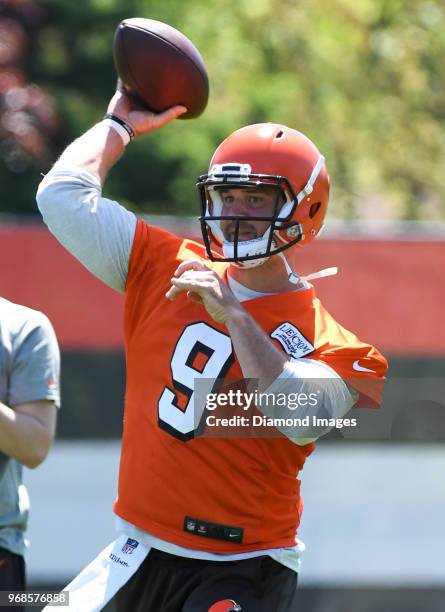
[{"x": 29, "y": 398}]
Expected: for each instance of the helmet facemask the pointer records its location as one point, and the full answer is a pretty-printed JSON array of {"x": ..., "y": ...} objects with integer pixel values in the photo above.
[{"x": 254, "y": 252}]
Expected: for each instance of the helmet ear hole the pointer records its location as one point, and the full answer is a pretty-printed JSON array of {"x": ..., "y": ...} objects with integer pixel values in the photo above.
[{"x": 314, "y": 209}]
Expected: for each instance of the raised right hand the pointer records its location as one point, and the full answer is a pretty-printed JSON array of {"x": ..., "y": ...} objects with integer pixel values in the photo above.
[{"x": 142, "y": 121}]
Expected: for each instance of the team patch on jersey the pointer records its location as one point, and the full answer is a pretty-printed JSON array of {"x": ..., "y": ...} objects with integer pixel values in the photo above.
[{"x": 292, "y": 340}]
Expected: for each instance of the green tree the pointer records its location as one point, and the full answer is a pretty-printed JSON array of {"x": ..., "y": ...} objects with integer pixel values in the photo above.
[{"x": 363, "y": 78}]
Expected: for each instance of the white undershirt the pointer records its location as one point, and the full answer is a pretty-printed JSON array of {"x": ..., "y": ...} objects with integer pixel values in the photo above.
[{"x": 243, "y": 293}]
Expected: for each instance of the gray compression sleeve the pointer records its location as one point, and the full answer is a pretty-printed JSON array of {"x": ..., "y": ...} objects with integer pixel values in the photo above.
[
  {"x": 97, "y": 231},
  {"x": 306, "y": 388}
]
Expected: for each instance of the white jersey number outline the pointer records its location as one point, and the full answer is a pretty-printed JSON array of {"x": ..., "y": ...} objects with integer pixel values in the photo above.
[{"x": 217, "y": 347}]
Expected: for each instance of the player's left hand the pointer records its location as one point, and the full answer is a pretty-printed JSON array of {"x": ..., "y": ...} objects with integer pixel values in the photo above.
[{"x": 204, "y": 286}]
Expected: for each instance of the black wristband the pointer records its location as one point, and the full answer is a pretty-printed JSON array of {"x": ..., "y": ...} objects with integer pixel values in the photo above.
[{"x": 121, "y": 122}]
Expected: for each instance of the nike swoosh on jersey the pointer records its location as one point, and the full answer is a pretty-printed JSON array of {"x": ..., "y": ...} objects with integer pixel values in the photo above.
[{"x": 358, "y": 368}]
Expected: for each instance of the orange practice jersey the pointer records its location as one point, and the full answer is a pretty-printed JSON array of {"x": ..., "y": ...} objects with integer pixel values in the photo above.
[{"x": 240, "y": 493}]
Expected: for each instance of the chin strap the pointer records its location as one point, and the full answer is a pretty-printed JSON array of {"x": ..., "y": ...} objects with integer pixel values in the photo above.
[
  {"x": 309, "y": 187},
  {"x": 292, "y": 277},
  {"x": 321, "y": 273},
  {"x": 295, "y": 279}
]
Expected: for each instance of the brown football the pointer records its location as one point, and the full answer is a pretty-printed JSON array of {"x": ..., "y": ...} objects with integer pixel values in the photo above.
[{"x": 160, "y": 66}]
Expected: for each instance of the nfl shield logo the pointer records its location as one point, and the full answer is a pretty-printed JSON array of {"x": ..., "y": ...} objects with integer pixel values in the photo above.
[{"x": 129, "y": 546}]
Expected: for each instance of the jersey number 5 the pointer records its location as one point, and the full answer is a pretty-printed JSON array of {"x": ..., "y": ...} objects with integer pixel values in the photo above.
[{"x": 213, "y": 349}]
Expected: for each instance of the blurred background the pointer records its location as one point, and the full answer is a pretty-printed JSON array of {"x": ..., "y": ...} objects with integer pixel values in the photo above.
[{"x": 365, "y": 80}]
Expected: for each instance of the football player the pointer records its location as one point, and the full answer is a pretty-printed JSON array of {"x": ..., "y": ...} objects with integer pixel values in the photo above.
[{"x": 209, "y": 520}]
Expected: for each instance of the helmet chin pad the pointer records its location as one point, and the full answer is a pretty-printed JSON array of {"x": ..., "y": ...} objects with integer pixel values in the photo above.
[{"x": 245, "y": 248}]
